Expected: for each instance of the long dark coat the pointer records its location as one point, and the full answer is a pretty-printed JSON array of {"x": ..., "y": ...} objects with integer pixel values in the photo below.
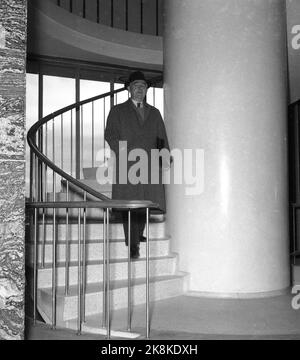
[{"x": 124, "y": 124}]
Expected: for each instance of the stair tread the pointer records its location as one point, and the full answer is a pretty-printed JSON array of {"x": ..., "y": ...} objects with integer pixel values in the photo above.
[
  {"x": 114, "y": 284},
  {"x": 61, "y": 264}
]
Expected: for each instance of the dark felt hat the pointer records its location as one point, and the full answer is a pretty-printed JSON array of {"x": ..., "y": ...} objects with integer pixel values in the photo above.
[{"x": 137, "y": 75}]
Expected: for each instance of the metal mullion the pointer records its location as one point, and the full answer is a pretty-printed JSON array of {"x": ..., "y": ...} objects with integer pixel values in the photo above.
[
  {"x": 104, "y": 130},
  {"x": 62, "y": 141},
  {"x": 71, "y": 170},
  {"x": 93, "y": 135},
  {"x": 81, "y": 140},
  {"x": 77, "y": 130}
]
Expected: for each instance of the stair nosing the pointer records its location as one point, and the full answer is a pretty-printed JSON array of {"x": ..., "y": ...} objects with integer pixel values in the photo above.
[
  {"x": 114, "y": 284},
  {"x": 61, "y": 264}
]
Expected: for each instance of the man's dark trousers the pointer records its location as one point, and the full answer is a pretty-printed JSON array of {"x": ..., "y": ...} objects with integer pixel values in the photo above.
[{"x": 137, "y": 226}]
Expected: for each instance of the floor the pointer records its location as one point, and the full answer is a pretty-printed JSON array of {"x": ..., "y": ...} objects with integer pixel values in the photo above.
[{"x": 194, "y": 318}]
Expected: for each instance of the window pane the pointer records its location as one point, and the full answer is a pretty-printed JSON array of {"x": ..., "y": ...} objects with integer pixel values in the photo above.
[{"x": 94, "y": 118}]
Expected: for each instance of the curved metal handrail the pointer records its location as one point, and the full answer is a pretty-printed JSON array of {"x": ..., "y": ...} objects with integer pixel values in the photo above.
[
  {"x": 31, "y": 139},
  {"x": 33, "y": 131}
]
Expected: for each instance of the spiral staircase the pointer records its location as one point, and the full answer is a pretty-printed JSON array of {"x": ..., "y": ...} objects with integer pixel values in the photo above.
[{"x": 77, "y": 262}]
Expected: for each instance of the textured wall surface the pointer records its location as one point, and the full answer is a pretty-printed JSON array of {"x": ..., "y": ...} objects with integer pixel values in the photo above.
[{"x": 12, "y": 166}]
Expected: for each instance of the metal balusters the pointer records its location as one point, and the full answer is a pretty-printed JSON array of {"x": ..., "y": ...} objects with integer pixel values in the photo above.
[
  {"x": 39, "y": 165},
  {"x": 67, "y": 248},
  {"x": 54, "y": 259},
  {"x": 294, "y": 219},
  {"x": 147, "y": 276},
  {"x": 129, "y": 274},
  {"x": 84, "y": 261},
  {"x": 35, "y": 270},
  {"x": 36, "y": 179},
  {"x": 297, "y": 152},
  {"x": 79, "y": 304},
  {"x": 93, "y": 135},
  {"x": 44, "y": 198},
  {"x": 107, "y": 275},
  {"x": 46, "y": 153},
  {"x": 104, "y": 270},
  {"x": 53, "y": 235},
  {"x": 31, "y": 177}
]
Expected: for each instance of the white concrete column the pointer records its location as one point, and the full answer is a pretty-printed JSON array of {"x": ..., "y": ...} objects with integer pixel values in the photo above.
[{"x": 225, "y": 93}]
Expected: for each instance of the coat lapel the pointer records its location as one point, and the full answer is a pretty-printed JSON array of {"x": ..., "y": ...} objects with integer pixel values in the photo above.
[
  {"x": 147, "y": 112},
  {"x": 135, "y": 114}
]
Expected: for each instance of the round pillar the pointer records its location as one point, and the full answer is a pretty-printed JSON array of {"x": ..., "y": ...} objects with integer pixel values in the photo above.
[{"x": 225, "y": 93}]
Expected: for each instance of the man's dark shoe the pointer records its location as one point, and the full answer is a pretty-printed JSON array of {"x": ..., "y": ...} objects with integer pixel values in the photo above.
[
  {"x": 143, "y": 238},
  {"x": 135, "y": 252}
]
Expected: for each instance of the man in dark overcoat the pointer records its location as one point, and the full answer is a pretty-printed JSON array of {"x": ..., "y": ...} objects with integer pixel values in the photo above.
[{"x": 135, "y": 125}]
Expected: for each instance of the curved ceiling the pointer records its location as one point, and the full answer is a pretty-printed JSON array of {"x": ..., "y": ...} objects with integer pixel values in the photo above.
[{"x": 53, "y": 31}]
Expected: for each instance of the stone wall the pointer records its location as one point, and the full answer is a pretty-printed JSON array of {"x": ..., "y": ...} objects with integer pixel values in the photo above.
[{"x": 13, "y": 15}]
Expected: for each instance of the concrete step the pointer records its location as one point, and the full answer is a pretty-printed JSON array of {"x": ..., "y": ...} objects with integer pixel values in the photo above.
[
  {"x": 91, "y": 174},
  {"x": 94, "y": 250},
  {"x": 118, "y": 270},
  {"x": 73, "y": 196},
  {"x": 94, "y": 231},
  {"x": 161, "y": 287},
  {"x": 93, "y": 183}
]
